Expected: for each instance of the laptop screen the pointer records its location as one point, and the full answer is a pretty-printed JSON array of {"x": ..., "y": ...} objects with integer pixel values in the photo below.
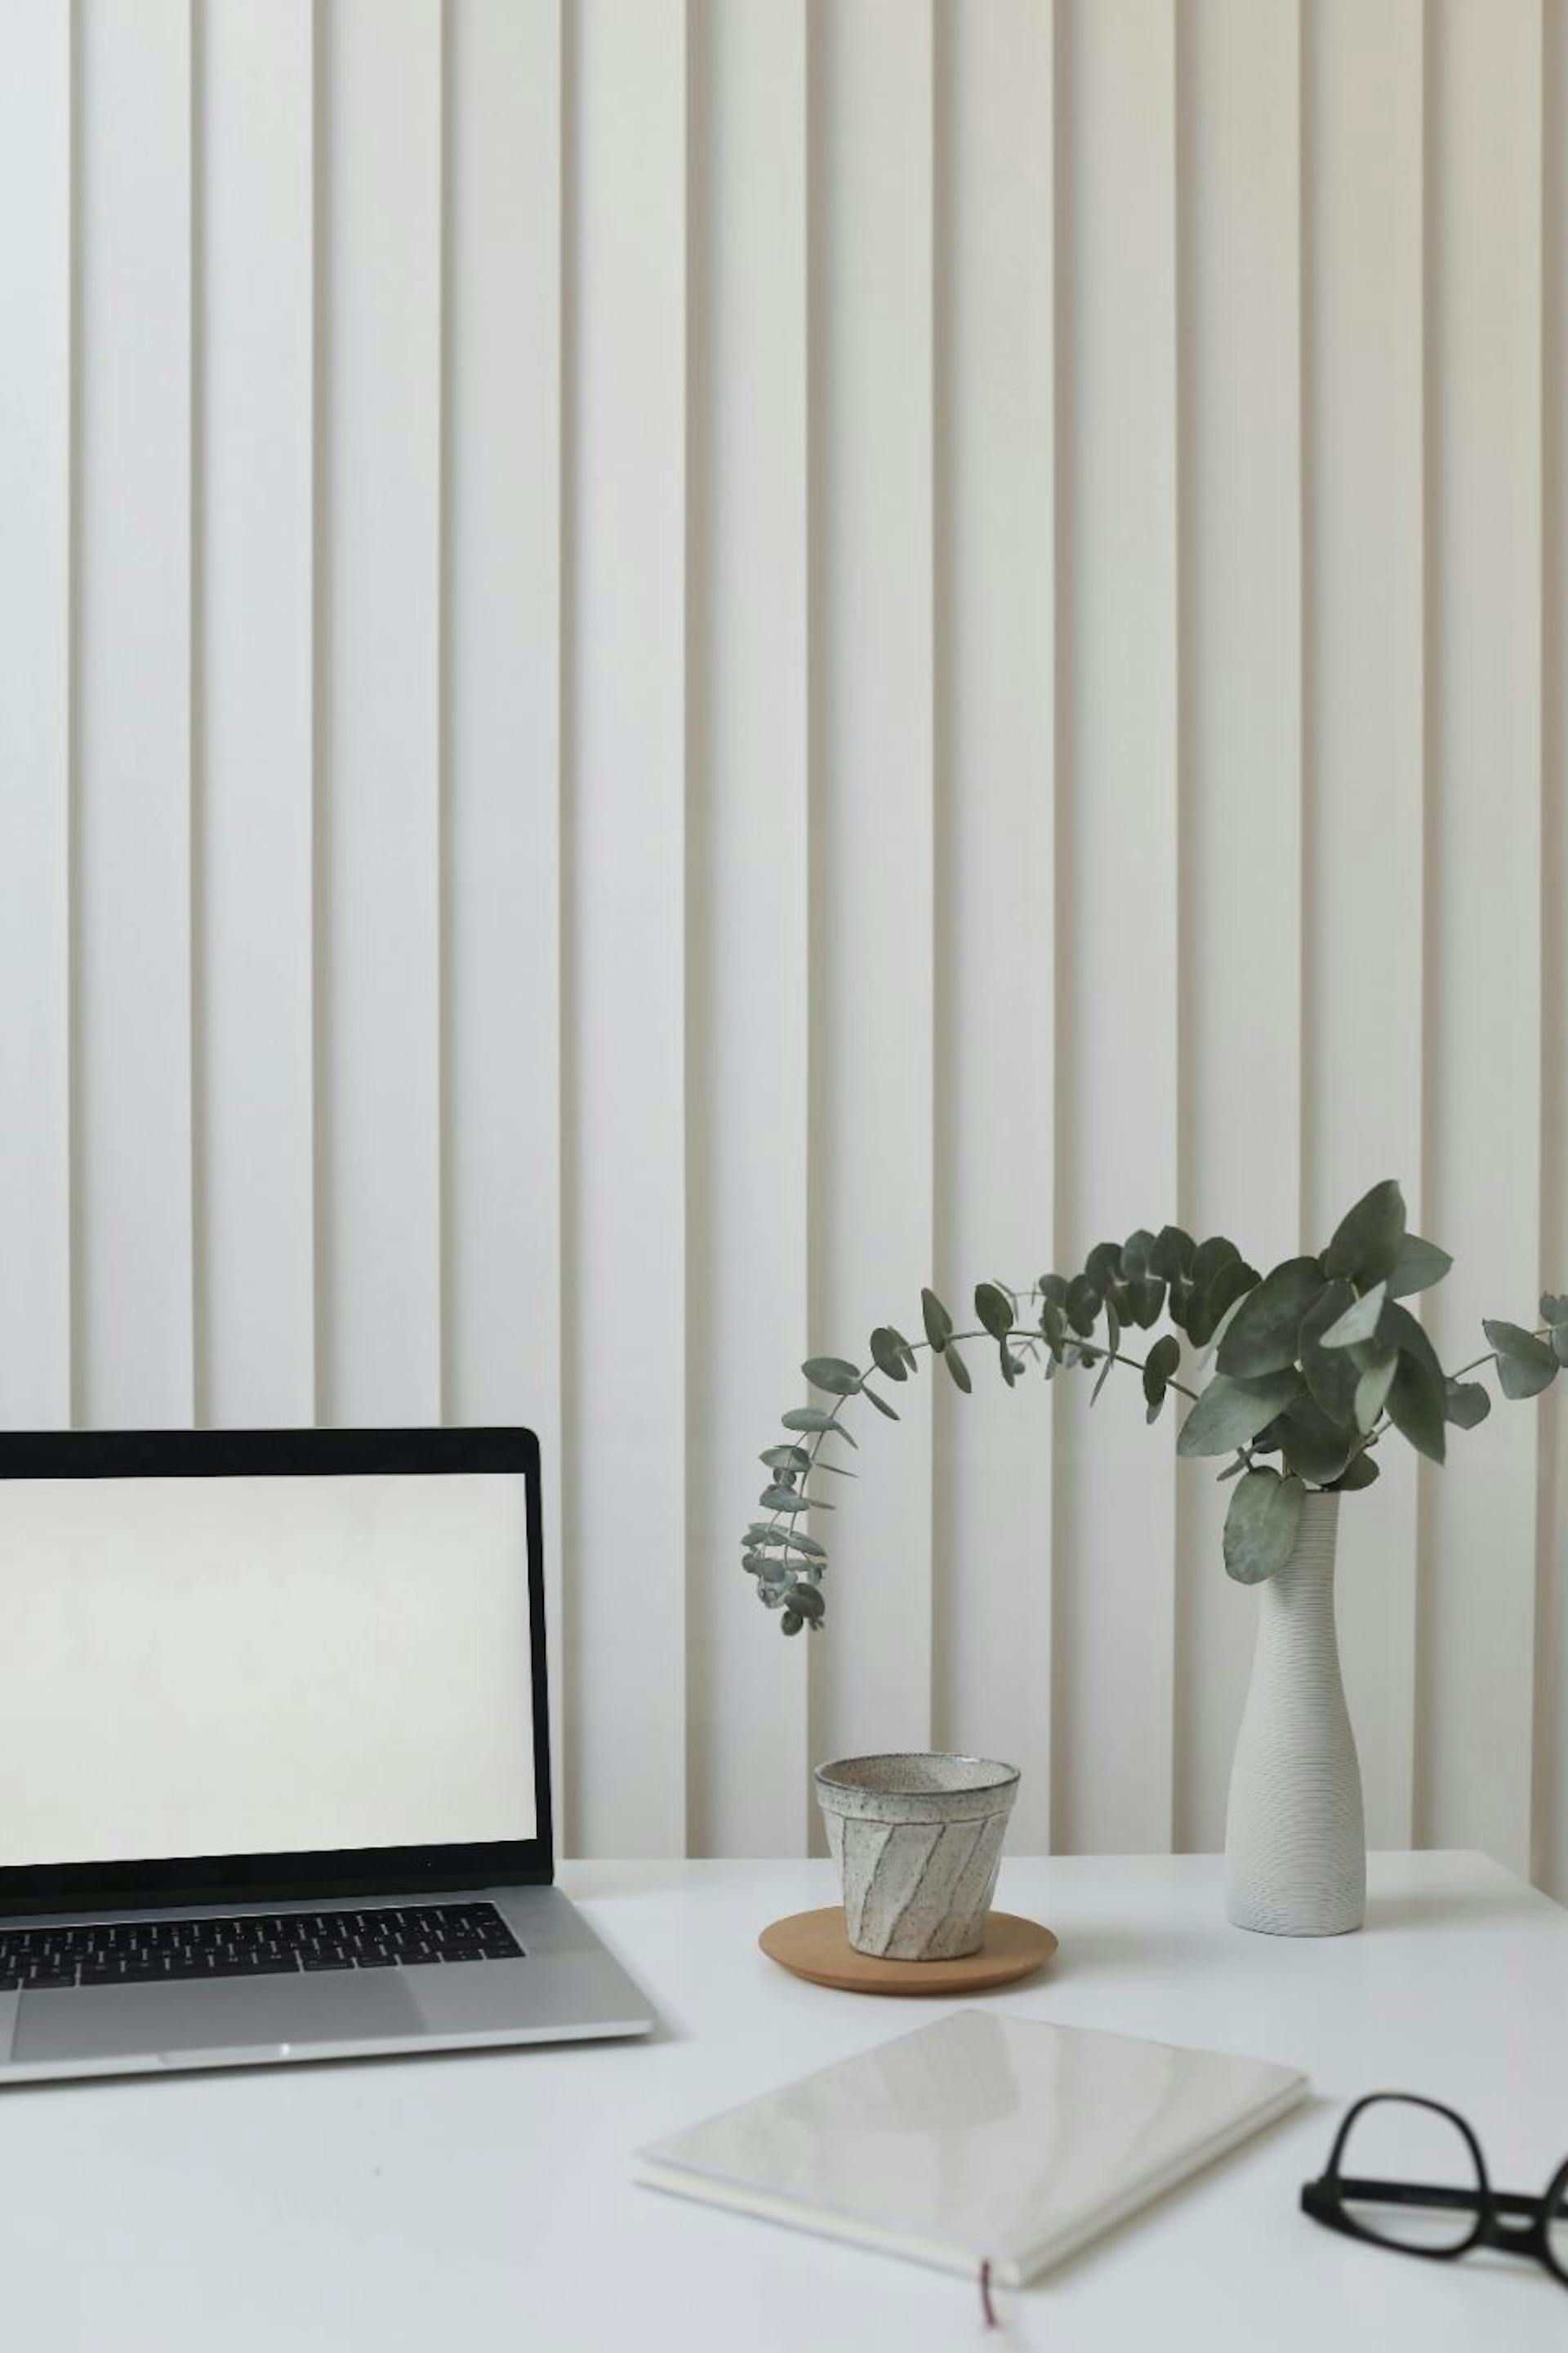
[{"x": 263, "y": 1664}]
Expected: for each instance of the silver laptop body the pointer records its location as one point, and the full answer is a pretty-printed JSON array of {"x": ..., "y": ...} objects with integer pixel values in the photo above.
[{"x": 274, "y": 1753}]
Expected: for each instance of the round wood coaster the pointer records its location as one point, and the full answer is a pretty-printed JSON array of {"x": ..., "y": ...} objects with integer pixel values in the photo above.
[{"x": 813, "y": 1945}]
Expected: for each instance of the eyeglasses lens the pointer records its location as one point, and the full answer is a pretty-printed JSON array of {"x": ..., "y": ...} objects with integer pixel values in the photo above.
[{"x": 1397, "y": 2141}]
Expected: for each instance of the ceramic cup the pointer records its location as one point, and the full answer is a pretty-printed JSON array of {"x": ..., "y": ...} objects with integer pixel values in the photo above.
[{"x": 917, "y": 1841}]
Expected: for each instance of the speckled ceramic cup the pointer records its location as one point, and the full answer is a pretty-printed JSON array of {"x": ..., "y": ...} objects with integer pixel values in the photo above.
[{"x": 918, "y": 1840}]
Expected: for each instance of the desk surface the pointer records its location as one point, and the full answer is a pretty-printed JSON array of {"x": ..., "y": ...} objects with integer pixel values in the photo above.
[{"x": 487, "y": 2199}]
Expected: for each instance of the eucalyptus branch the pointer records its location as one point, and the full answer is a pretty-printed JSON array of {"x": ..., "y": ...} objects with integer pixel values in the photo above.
[{"x": 1316, "y": 1362}]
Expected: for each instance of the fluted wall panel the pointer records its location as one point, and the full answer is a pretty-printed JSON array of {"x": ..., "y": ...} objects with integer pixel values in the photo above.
[{"x": 666, "y": 669}]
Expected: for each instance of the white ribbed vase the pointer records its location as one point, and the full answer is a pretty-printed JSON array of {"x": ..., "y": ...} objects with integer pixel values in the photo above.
[{"x": 1295, "y": 1840}]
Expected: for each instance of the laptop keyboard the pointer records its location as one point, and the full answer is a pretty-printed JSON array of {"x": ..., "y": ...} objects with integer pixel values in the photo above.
[{"x": 253, "y": 1945}]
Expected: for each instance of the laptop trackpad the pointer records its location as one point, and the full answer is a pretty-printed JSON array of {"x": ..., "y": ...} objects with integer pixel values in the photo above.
[{"x": 236, "y": 2014}]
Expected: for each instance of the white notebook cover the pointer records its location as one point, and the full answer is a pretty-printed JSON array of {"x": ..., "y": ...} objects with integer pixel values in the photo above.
[{"x": 981, "y": 2137}]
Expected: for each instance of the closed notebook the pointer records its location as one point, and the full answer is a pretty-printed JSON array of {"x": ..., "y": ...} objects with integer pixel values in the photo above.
[{"x": 982, "y": 2138}]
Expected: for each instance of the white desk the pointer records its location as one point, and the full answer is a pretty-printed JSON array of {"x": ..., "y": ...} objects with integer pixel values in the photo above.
[{"x": 485, "y": 2200}]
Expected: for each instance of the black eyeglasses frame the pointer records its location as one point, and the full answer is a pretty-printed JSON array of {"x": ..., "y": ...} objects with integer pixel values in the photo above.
[{"x": 1324, "y": 2200}]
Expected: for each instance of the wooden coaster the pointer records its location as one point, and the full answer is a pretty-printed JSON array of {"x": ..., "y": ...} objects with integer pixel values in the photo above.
[{"x": 813, "y": 1945}]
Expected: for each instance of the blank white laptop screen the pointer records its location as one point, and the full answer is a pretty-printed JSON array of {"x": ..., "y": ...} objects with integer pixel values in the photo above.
[{"x": 263, "y": 1665}]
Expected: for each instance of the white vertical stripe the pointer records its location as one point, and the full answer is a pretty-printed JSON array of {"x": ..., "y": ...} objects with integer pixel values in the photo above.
[
  {"x": 1240, "y": 419},
  {"x": 624, "y": 1308},
  {"x": 1484, "y": 998},
  {"x": 1116, "y": 691},
  {"x": 747, "y": 911},
  {"x": 132, "y": 948},
  {"x": 378, "y": 1080},
  {"x": 503, "y": 636},
  {"x": 254, "y": 745},
  {"x": 35, "y": 712},
  {"x": 1549, "y": 1860},
  {"x": 997, "y": 848},
  {"x": 872, "y": 956},
  {"x": 1364, "y": 858}
]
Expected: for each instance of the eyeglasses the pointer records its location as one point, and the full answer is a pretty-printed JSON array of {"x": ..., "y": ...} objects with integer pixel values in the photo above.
[{"x": 1453, "y": 2208}]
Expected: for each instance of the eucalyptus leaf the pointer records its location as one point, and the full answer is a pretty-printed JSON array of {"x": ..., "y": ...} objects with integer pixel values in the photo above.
[
  {"x": 1083, "y": 1303},
  {"x": 938, "y": 1321},
  {"x": 1365, "y": 1246},
  {"x": 1466, "y": 1403},
  {"x": 1103, "y": 1266},
  {"x": 1226, "y": 1320},
  {"x": 1554, "y": 1309},
  {"x": 835, "y": 1373},
  {"x": 1358, "y": 1471},
  {"x": 1172, "y": 1256},
  {"x": 1160, "y": 1363},
  {"x": 1053, "y": 1287},
  {"x": 1229, "y": 1282},
  {"x": 1263, "y": 1334},
  {"x": 1148, "y": 1301},
  {"x": 886, "y": 1354},
  {"x": 1416, "y": 1267},
  {"x": 1415, "y": 1406},
  {"x": 1136, "y": 1253},
  {"x": 811, "y": 1416},
  {"x": 792, "y": 1621},
  {"x": 1260, "y": 1526},
  {"x": 1525, "y": 1364},
  {"x": 1316, "y": 1448},
  {"x": 1231, "y": 1412},
  {"x": 1560, "y": 1342},
  {"x": 1052, "y": 1323},
  {"x": 881, "y": 1404},
  {"x": 957, "y": 1368},
  {"x": 1232, "y": 1470},
  {"x": 785, "y": 1458},
  {"x": 995, "y": 1309},
  {"x": 1011, "y": 1367},
  {"x": 806, "y": 1600},
  {"x": 1359, "y": 1320},
  {"x": 782, "y": 1499},
  {"x": 1398, "y": 1324},
  {"x": 1373, "y": 1384},
  {"x": 1331, "y": 1376},
  {"x": 1208, "y": 1258}
]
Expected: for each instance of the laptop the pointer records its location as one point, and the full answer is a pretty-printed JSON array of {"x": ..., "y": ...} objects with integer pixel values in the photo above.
[{"x": 274, "y": 1753}]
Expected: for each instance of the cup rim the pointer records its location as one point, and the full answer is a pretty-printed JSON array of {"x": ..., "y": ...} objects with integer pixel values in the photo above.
[{"x": 839, "y": 1773}]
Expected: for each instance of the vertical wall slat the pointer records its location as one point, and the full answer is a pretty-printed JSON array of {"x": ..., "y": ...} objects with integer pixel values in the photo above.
[
  {"x": 35, "y": 276},
  {"x": 1550, "y": 1858},
  {"x": 502, "y": 625},
  {"x": 1363, "y": 851},
  {"x": 996, "y": 758},
  {"x": 746, "y": 913},
  {"x": 1117, "y": 893},
  {"x": 1484, "y": 952},
  {"x": 378, "y": 1078},
  {"x": 1240, "y": 987},
  {"x": 624, "y": 1401},
  {"x": 255, "y": 738},
  {"x": 872, "y": 941},
  {"x": 131, "y": 913}
]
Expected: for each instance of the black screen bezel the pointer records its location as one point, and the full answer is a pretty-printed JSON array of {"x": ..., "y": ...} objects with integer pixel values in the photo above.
[{"x": 152, "y": 1882}]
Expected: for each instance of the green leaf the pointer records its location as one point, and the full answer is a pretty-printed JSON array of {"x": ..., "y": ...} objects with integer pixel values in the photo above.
[
  {"x": 957, "y": 1368},
  {"x": 995, "y": 1309},
  {"x": 782, "y": 1499},
  {"x": 1358, "y": 1471},
  {"x": 1053, "y": 1287},
  {"x": 1398, "y": 1324},
  {"x": 1172, "y": 1256},
  {"x": 1359, "y": 1321},
  {"x": 1053, "y": 1324},
  {"x": 835, "y": 1373},
  {"x": 1560, "y": 1342},
  {"x": 792, "y": 1621},
  {"x": 1366, "y": 1240},
  {"x": 1160, "y": 1363},
  {"x": 1208, "y": 1258},
  {"x": 1525, "y": 1364},
  {"x": 1554, "y": 1309},
  {"x": 1148, "y": 1301},
  {"x": 938, "y": 1321},
  {"x": 1103, "y": 1266},
  {"x": 1179, "y": 1301},
  {"x": 1260, "y": 1526},
  {"x": 1231, "y": 1412},
  {"x": 1466, "y": 1403},
  {"x": 1263, "y": 1336},
  {"x": 1011, "y": 1367},
  {"x": 880, "y": 1403},
  {"x": 1083, "y": 1303},
  {"x": 811, "y": 1416},
  {"x": 1226, "y": 1321},
  {"x": 1232, "y": 1470},
  {"x": 886, "y": 1354},
  {"x": 1114, "y": 1331},
  {"x": 1316, "y": 1448},
  {"x": 1373, "y": 1383},
  {"x": 1136, "y": 1253},
  {"x": 1416, "y": 1267},
  {"x": 806, "y": 1600},
  {"x": 1415, "y": 1406},
  {"x": 785, "y": 1458},
  {"x": 1230, "y": 1281},
  {"x": 1331, "y": 1376}
]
